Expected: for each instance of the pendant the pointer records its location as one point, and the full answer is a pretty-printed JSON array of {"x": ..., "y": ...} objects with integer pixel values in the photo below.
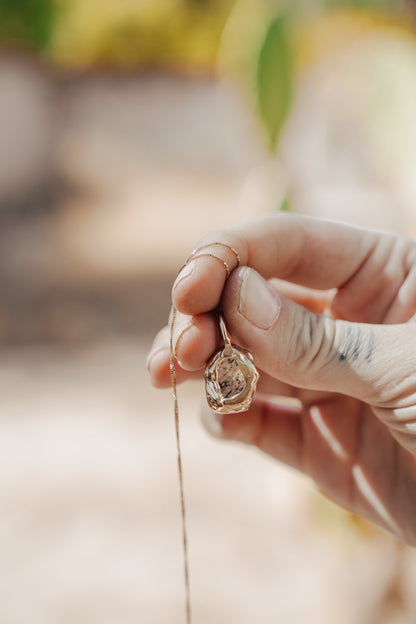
[{"x": 230, "y": 377}]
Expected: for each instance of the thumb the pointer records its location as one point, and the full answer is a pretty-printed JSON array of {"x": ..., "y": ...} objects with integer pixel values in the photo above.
[{"x": 374, "y": 363}]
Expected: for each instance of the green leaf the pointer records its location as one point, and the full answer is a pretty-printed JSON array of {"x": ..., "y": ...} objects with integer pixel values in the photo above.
[
  {"x": 274, "y": 78},
  {"x": 26, "y": 22},
  {"x": 285, "y": 205}
]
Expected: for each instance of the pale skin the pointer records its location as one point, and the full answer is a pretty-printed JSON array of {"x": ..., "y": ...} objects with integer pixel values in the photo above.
[{"x": 328, "y": 312}]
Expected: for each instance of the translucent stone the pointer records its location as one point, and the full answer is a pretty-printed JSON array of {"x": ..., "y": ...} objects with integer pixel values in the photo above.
[{"x": 230, "y": 378}]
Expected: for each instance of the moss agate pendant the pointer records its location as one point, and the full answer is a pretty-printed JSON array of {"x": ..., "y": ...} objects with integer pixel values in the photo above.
[{"x": 230, "y": 377}]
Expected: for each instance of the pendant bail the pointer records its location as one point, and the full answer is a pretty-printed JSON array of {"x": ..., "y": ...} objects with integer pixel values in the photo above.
[{"x": 225, "y": 335}]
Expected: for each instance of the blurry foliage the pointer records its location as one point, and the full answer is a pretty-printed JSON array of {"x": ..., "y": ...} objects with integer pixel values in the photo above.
[
  {"x": 285, "y": 205},
  {"x": 267, "y": 42},
  {"x": 27, "y": 23},
  {"x": 264, "y": 42},
  {"x": 132, "y": 33},
  {"x": 274, "y": 78},
  {"x": 256, "y": 50}
]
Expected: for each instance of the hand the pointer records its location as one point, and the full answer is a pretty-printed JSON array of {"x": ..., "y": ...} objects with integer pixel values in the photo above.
[{"x": 327, "y": 311}]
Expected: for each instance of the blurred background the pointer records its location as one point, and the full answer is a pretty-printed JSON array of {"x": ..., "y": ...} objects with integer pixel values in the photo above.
[{"x": 128, "y": 128}]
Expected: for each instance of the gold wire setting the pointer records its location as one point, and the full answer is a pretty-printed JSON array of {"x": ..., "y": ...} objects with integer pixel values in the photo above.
[{"x": 230, "y": 377}]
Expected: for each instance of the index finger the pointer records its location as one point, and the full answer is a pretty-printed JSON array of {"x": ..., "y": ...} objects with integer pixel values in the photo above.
[{"x": 308, "y": 251}]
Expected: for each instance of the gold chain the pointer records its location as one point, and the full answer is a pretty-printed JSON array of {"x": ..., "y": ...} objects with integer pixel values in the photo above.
[
  {"x": 180, "y": 473},
  {"x": 195, "y": 254}
]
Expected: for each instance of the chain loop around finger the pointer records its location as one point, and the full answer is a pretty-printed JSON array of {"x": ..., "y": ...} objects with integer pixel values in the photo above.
[{"x": 196, "y": 254}]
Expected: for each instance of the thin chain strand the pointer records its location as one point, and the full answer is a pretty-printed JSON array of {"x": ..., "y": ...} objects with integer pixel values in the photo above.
[
  {"x": 195, "y": 254},
  {"x": 180, "y": 474},
  {"x": 176, "y": 413}
]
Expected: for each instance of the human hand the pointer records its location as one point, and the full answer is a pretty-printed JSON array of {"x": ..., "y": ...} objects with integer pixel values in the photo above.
[{"x": 333, "y": 326}]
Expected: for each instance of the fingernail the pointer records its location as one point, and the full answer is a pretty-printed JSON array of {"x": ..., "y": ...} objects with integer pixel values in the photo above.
[
  {"x": 259, "y": 304},
  {"x": 186, "y": 272}
]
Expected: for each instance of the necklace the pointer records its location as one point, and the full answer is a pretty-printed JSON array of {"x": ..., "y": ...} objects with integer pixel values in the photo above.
[
  {"x": 180, "y": 473},
  {"x": 230, "y": 383}
]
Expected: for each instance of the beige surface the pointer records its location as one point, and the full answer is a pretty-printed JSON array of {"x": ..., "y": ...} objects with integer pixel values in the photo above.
[{"x": 90, "y": 513}]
